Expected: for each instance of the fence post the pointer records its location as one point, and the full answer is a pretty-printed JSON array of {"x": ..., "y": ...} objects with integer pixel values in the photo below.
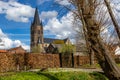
[
  {"x": 60, "y": 58},
  {"x": 25, "y": 61},
  {"x": 72, "y": 60}
]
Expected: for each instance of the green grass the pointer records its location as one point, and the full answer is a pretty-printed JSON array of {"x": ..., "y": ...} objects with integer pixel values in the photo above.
[
  {"x": 91, "y": 66},
  {"x": 118, "y": 64},
  {"x": 54, "y": 76}
]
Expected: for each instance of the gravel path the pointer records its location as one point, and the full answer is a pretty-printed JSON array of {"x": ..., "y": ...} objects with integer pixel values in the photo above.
[{"x": 70, "y": 69}]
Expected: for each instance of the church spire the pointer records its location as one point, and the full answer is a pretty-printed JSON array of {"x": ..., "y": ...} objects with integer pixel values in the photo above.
[{"x": 36, "y": 18}]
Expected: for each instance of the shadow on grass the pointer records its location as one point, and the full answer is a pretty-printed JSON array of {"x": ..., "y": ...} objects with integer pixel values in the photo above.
[
  {"x": 48, "y": 76},
  {"x": 99, "y": 76}
]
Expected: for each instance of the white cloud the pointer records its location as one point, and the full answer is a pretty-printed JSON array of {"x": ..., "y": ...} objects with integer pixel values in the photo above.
[
  {"x": 41, "y": 1},
  {"x": 16, "y": 11},
  {"x": 2, "y": 34},
  {"x": 117, "y": 51},
  {"x": 62, "y": 28},
  {"x": 48, "y": 15},
  {"x": 115, "y": 1},
  {"x": 63, "y": 2},
  {"x": 8, "y": 43}
]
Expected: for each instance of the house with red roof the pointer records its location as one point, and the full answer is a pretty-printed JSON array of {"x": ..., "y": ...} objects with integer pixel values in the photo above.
[
  {"x": 17, "y": 50},
  {"x": 3, "y": 51}
]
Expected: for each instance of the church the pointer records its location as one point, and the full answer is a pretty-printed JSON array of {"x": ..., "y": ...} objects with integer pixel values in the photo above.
[{"x": 37, "y": 38}]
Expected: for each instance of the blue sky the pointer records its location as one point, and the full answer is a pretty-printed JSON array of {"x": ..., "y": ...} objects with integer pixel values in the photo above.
[{"x": 16, "y": 17}]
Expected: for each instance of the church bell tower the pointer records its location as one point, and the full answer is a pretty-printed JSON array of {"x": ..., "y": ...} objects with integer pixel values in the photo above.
[{"x": 36, "y": 31}]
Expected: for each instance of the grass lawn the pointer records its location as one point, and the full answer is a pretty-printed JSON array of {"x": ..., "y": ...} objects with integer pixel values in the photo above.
[
  {"x": 118, "y": 64},
  {"x": 54, "y": 76}
]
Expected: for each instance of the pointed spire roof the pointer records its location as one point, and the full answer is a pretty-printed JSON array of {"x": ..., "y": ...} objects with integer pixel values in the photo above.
[{"x": 36, "y": 20}]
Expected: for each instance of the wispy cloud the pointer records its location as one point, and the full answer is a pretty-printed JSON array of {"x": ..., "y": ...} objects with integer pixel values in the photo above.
[
  {"x": 62, "y": 27},
  {"x": 48, "y": 14},
  {"x": 63, "y": 2},
  {"x": 10, "y": 34},
  {"x": 9, "y": 43},
  {"x": 41, "y": 1}
]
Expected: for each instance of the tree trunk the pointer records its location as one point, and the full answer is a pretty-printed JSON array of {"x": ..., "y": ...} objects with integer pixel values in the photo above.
[
  {"x": 116, "y": 26},
  {"x": 90, "y": 51},
  {"x": 106, "y": 62},
  {"x": 86, "y": 11}
]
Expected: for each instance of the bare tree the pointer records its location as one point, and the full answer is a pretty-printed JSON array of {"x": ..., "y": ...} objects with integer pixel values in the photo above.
[
  {"x": 116, "y": 26},
  {"x": 81, "y": 38},
  {"x": 86, "y": 13},
  {"x": 103, "y": 23}
]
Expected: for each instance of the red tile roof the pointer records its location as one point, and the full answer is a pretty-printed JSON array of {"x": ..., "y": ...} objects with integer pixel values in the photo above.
[
  {"x": 3, "y": 51},
  {"x": 14, "y": 48}
]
